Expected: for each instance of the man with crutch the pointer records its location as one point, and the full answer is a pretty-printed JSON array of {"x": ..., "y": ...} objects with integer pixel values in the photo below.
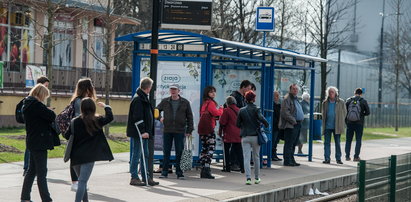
[{"x": 140, "y": 129}]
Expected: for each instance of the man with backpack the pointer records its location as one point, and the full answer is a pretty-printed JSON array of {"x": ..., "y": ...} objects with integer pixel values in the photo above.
[{"x": 357, "y": 109}]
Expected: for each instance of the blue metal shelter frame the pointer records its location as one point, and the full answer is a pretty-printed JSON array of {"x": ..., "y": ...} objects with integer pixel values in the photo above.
[{"x": 219, "y": 53}]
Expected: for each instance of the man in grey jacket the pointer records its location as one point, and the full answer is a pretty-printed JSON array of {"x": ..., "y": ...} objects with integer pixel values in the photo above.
[
  {"x": 178, "y": 122},
  {"x": 291, "y": 116}
]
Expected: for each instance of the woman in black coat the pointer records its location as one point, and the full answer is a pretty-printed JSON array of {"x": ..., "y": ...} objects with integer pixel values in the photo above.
[
  {"x": 39, "y": 139},
  {"x": 89, "y": 143}
]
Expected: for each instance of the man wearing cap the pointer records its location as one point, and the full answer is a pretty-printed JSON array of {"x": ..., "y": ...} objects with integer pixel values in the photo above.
[{"x": 178, "y": 122}]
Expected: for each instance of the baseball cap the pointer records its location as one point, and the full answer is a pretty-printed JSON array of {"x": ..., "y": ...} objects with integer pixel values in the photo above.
[{"x": 174, "y": 86}]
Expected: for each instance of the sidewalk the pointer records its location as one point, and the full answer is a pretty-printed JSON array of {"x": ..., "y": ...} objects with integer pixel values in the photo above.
[{"x": 110, "y": 180}]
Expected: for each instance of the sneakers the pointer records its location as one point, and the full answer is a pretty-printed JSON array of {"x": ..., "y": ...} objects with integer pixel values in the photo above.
[
  {"x": 74, "y": 187},
  {"x": 347, "y": 158},
  {"x": 357, "y": 159},
  {"x": 248, "y": 182},
  {"x": 327, "y": 162},
  {"x": 136, "y": 182},
  {"x": 339, "y": 162},
  {"x": 163, "y": 176},
  {"x": 257, "y": 181}
]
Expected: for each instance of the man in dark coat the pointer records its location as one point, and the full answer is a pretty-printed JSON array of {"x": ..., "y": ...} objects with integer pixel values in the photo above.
[
  {"x": 276, "y": 130},
  {"x": 142, "y": 113},
  {"x": 291, "y": 116},
  {"x": 178, "y": 122},
  {"x": 239, "y": 95}
]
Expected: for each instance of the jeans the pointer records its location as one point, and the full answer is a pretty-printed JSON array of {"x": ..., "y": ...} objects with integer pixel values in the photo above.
[
  {"x": 26, "y": 159},
  {"x": 37, "y": 167},
  {"x": 327, "y": 144},
  {"x": 136, "y": 157},
  {"x": 83, "y": 171},
  {"x": 291, "y": 136},
  {"x": 233, "y": 153},
  {"x": 358, "y": 129},
  {"x": 276, "y": 139},
  {"x": 250, "y": 144},
  {"x": 167, "y": 145}
]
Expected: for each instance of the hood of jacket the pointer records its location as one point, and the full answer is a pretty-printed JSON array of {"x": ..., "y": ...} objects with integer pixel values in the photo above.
[{"x": 29, "y": 101}]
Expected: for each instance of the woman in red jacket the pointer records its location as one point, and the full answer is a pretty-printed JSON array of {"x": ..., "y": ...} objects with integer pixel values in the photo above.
[
  {"x": 208, "y": 116},
  {"x": 231, "y": 135}
]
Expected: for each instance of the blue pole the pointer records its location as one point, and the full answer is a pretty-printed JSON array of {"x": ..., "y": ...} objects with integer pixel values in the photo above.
[{"x": 310, "y": 140}]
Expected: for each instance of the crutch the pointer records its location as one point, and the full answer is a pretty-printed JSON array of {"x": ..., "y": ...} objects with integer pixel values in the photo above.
[
  {"x": 222, "y": 143},
  {"x": 142, "y": 149}
]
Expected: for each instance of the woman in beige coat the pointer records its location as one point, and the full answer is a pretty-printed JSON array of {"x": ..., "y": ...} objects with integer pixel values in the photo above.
[{"x": 334, "y": 112}]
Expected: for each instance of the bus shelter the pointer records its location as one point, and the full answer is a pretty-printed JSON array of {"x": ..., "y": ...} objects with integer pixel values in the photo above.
[{"x": 195, "y": 61}]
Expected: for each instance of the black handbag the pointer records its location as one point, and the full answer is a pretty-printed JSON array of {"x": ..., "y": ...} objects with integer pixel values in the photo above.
[{"x": 69, "y": 146}]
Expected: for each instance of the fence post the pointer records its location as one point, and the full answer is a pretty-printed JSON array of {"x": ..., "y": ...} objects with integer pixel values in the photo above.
[
  {"x": 393, "y": 177},
  {"x": 361, "y": 181}
]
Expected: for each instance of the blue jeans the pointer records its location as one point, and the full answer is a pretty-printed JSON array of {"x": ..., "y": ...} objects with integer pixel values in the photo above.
[
  {"x": 327, "y": 144},
  {"x": 358, "y": 129},
  {"x": 167, "y": 145},
  {"x": 291, "y": 136},
  {"x": 136, "y": 156},
  {"x": 83, "y": 171}
]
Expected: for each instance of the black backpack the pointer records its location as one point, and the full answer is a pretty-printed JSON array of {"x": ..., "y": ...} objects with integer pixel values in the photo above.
[{"x": 19, "y": 111}]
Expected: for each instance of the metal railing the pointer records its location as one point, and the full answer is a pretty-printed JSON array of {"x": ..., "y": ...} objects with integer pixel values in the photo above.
[
  {"x": 64, "y": 79},
  {"x": 385, "y": 179}
]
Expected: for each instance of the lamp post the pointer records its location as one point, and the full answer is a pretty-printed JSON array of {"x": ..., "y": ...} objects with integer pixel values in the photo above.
[{"x": 381, "y": 56}]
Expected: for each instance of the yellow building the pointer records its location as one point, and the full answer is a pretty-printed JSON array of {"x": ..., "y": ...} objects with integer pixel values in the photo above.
[{"x": 79, "y": 27}]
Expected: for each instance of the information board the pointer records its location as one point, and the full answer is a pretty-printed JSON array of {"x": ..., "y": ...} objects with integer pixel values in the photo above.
[{"x": 187, "y": 14}]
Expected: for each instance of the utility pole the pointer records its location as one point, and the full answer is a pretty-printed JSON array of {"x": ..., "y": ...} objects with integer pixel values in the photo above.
[
  {"x": 154, "y": 50},
  {"x": 338, "y": 69},
  {"x": 397, "y": 65},
  {"x": 381, "y": 56}
]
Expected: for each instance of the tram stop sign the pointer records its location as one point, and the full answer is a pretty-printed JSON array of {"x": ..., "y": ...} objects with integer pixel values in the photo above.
[{"x": 265, "y": 19}]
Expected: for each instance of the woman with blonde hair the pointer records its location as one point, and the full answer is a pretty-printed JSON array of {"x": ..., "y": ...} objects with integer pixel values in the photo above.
[
  {"x": 39, "y": 139},
  {"x": 84, "y": 88}
]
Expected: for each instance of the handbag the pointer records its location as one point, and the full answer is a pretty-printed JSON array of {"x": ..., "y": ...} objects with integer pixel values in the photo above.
[
  {"x": 205, "y": 125},
  {"x": 69, "y": 146},
  {"x": 186, "y": 161},
  {"x": 262, "y": 137}
]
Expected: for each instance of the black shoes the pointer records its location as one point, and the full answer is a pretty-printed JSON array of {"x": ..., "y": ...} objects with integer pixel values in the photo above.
[
  {"x": 327, "y": 162},
  {"x": 206, "y": 173},
  {"x": 339, "y": 162},
  {"x": 292, "y": 164},
  {"x": 275, "y": 158}
]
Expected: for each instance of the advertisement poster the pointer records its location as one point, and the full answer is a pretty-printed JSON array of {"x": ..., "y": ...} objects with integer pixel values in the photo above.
[
  {"x": 187, "y": 75},
  {"x": 1, "y": 74},
  {"x": 32, "y": 73},
  {"x": 228, "y": 80}
]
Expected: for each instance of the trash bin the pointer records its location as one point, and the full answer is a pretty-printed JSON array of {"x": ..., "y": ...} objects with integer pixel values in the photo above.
[{"x": 318, "y": 118}]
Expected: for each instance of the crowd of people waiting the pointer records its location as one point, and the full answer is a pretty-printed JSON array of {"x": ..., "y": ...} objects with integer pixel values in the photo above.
[{"x": 240, "y": 120}]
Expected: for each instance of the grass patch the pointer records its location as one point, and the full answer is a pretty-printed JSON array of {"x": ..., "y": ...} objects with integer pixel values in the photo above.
[
  {"x": 57, "y": 152},
  {"x": 119, "y": 146}
]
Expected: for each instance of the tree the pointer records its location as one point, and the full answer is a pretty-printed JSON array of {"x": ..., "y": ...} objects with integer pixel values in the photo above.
[
  {"x": 398, "y": 54},
  {"x": 328, "y": 29},
  {"x": 45, "y": 31},
  {"x": 109, "y": 22}
]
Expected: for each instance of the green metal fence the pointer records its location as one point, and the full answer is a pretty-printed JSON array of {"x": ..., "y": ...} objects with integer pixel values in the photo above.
[{"x": 385, "y": 179}]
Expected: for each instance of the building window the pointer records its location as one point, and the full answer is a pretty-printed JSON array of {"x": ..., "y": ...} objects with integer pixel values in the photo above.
[
  {"x": 16, "y": 44},
  {"x": 63, "y": 37},
  {"x": 99, "y": 47}
]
